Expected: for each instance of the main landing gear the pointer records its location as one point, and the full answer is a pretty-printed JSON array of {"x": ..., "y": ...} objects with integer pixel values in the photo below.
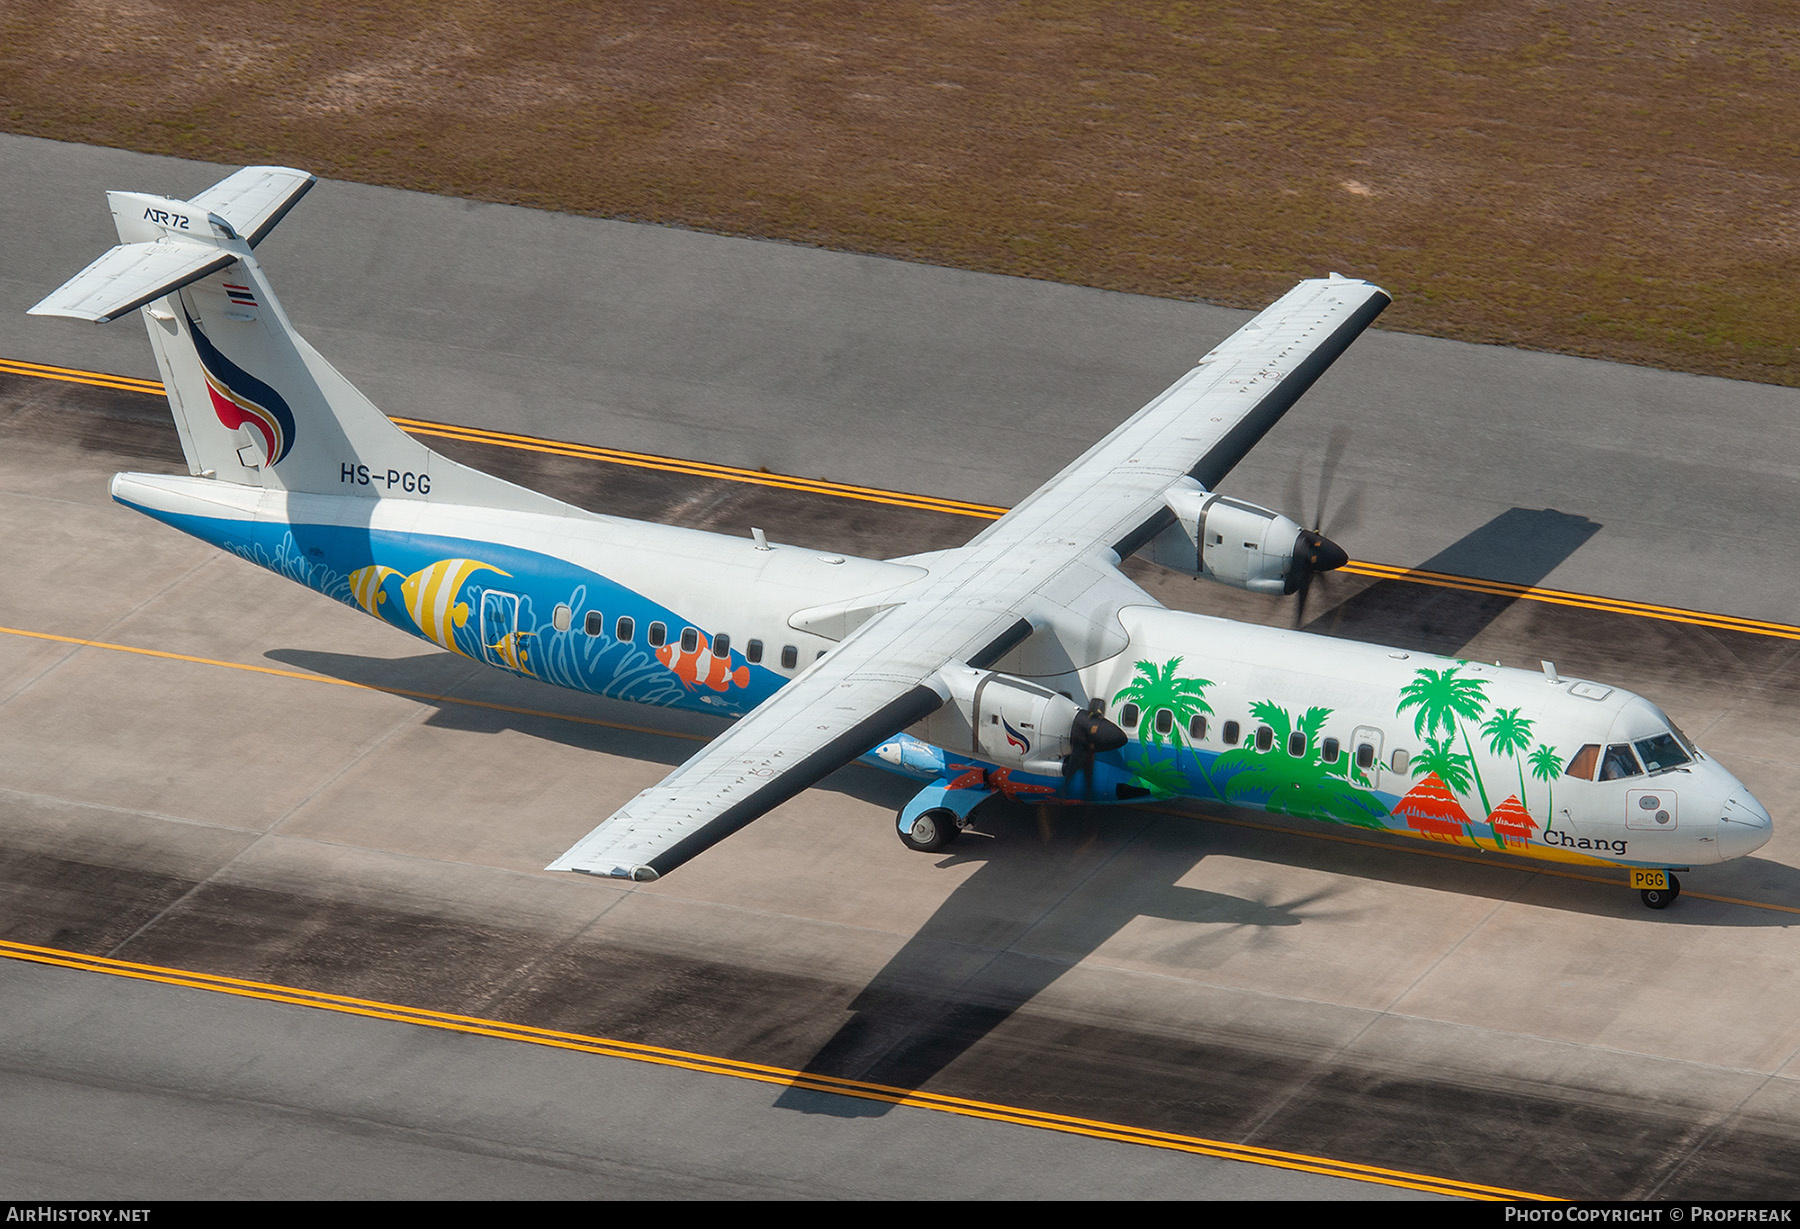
[
  {"x": 931, "y": 830},
  {"x": 1661, "y": 898}
]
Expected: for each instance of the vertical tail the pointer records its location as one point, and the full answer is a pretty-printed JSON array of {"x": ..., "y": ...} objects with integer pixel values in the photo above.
[{"x": 255, "y": 405}]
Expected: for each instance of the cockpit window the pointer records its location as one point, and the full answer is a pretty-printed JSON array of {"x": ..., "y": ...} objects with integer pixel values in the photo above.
[
  {"x": 1685, "y": 743},
  {"x": 1661, "y": 753},
  {"x": 1582, "y": 766},
  {"x": 1619, "y": 763}
]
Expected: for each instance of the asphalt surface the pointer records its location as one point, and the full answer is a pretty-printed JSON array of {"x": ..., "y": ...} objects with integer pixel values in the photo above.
[
  {"x": 1372, "y": 1002},
  {"x": 969, "y": 386}
]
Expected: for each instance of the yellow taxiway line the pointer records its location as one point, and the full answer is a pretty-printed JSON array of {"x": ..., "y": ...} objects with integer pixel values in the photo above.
[
  {"x": 698, "y": 1062},
  {"x": 760, "y": 1072},
  {"x": 953, "y": 507}
]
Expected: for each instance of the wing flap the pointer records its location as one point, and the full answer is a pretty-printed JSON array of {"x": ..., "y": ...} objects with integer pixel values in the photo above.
[{"x": 747, "y": 772}]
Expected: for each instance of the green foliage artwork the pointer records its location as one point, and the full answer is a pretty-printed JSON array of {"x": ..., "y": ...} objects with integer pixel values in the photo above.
[{"x": 1304, "y": 785}]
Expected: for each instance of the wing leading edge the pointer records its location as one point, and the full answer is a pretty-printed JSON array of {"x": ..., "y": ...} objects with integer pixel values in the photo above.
[
  {"x": 1035, "y": 569},
  {"x": 877, "y": 682}
]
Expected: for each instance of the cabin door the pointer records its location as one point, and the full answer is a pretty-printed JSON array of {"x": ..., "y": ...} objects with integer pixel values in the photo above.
[
  {"x": 1367, "y": 736},
  {"x": 499, "y": 620}
]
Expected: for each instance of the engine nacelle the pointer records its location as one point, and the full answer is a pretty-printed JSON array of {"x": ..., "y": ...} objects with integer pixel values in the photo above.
[
  {"x": 1003, "y": 720},
  {"x": 1238, "y": 543}
]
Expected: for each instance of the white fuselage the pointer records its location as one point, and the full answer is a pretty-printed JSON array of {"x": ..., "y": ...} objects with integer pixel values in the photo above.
[{"x": 1345, "y": 732}]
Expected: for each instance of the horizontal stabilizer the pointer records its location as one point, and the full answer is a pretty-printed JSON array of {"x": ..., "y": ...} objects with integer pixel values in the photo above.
[
  {"x": 166, "y": 244},
  {"x": 254, "y": 199},
  {"x": 131, "y": 275}
]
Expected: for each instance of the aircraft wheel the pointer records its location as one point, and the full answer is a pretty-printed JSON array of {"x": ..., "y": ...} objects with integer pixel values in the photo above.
[
  {"x": 1659, "y": 898},
  {"x": 932, "y": 831}
]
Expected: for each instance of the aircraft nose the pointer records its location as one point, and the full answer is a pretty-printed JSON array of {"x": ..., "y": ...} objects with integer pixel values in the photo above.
[{"x": 1744, "y": 826}]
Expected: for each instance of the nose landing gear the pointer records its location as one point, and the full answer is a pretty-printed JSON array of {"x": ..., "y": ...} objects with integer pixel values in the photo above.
[{"x": 1661, "y": 898}]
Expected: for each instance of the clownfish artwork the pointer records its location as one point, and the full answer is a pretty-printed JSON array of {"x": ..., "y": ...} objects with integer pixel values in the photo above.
[{"x": 697, "y": 667}]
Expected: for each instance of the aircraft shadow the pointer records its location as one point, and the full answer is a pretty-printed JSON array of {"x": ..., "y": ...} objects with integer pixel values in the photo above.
[
  {"x": 963, "y": 973},
  {"x": 1521, "y": 546},
  {"x": 471, "y": 696}
]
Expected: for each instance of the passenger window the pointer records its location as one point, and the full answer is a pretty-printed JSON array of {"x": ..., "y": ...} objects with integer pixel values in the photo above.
[
  {"x": 658, "y": 636},
  {"x": 1329, "y": 751},
  {"x": 1619, "y": 763},
  {"x": 561, "y": 617},
  {"x": 721, "y": 645},
  {"x": 624, "y": 629},
  {"x": 1230, "y": 733},
  {"x": 1265, "y": 738},
  {"x": 1128, "y": 716},
  {"x": 753, "y": 652},
  {"x": 1165, "y": 721},
  {"x": 1399, "y": 760},
  {"x": 1197, "y": 729},
  {"x": 594, "y": 624},
  {"x": 690, "y": 639},
  {"x": 790, "y": 657},
  {"x": 1365, "y": 755},
  {"x": 1296, "y": 744},
  {"x": 1582, "y": 766}
]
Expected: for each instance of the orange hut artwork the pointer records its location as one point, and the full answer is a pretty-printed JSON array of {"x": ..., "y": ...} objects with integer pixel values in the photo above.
[
  {"x": 1512, "y": 823},
  {"x": 1431, "y": 810}
]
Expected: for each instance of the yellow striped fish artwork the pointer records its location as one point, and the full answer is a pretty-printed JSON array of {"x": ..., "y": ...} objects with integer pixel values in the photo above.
[
  {"x": 365, "y": 586},
  {"x": 511, "y": 650},
  {"x": 430, "y": 596}
]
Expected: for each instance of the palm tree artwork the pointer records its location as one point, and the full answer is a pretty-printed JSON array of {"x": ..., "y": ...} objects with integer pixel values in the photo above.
[
  {"x": 1507, "y": 733},
  {"x": 1546, "y": 766},
  {"x": 1444, "y": 700},
  {"x": 1303, "y": 785},
  {"x": 1152, "y": 689},
  {"x": 1158, "y": 687}
]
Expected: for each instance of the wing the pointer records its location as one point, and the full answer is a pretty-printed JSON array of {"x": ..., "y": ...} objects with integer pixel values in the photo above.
[
  {"x": 1201, "y": 426},
  {"x": 877, "y": 682},
  {"x": 1051, "y": 563}
]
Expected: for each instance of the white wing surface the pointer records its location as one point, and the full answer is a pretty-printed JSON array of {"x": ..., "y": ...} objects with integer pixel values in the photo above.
[
  {"x": 1200, "y": 427},
  {"x": 254, "y": 199},
  {"x": 131, "y": 275},
  {"x": 877, "y": 682},
  {"x": 1049, "y": 565}
]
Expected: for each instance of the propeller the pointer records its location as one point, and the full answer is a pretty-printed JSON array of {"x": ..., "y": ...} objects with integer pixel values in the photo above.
[
  {"x": 1314, "y": 553},
  {"x": 1089, "y": 736}
]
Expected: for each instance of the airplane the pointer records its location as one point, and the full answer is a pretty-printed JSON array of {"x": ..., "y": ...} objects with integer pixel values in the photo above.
[{"x": 1023, "y": 664}]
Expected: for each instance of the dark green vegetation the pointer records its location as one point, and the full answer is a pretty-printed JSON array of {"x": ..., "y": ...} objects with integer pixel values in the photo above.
[{"x": 1602, "y": 178}]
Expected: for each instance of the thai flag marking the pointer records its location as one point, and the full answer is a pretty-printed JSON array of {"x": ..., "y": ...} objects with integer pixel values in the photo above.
[{"x": 240, "y": 295}]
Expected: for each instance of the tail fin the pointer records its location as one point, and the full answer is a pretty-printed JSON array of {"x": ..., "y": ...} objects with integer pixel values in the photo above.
[{"x": 254, "y": 403}]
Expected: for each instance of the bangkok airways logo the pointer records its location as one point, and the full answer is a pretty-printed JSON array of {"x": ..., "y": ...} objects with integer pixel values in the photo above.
[
  {"x": 1015, "y": 738},
  {"x": 242, "y": 400}
]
